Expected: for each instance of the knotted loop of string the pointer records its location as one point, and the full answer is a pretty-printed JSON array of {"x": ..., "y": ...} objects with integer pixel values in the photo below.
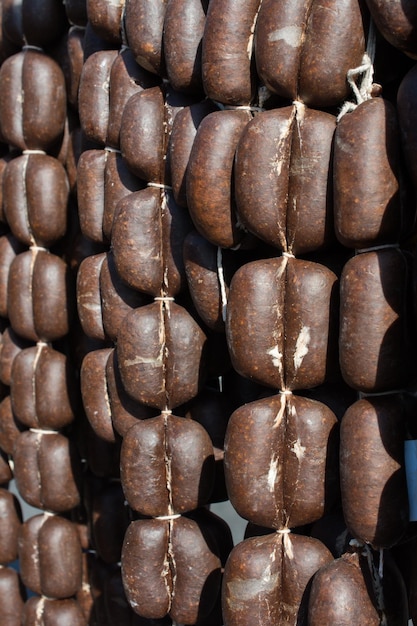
[{"x": 362, "y": 88}]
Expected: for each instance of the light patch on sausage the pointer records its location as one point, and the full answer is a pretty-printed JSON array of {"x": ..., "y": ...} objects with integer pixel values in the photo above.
[
  {"x": 298, "y": 449},
  {"x": 291, "y": 35},
  {"x": 282, "y": 142},
  {"x": 241, "y": 590},
  {"x": 272, "y": 474},
  {"x": 276, "y": 357},
  {"x": 301, "y": 347}
]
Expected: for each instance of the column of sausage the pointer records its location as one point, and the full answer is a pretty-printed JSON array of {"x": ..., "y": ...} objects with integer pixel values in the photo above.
[
  {"x": 166, "y": 460},
  {"x": 12, "y": 593},
  {"x": 375, "y": 353},
  {"x": 271, "y": 329},
  {"x": 103, "y": 299},
  {"x": 45, "y": 462}
]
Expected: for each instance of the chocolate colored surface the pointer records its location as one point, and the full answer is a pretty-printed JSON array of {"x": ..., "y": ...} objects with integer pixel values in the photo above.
[
  {"x": 266, "y": 579},
  {"x": 172, "y": 459},
  {"x": 303, "y": 52},
  {"x": 283, "y": 164},
  {"x": 366, "y": 176},
  {"x": 281, "y": 457},
  {"x": 372, "y": 473},
  {"x": 161, "y": 350},
  {"x": 374, "y": 348}
]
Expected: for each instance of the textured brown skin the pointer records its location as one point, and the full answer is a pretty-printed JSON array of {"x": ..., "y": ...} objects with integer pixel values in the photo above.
[
  {"x": 40, "y": 78},
  {"x": 303, "y": 51},
  {"x": 145, "y": 131},
  {"x": 9, "y": 248},
  {"x": 167, "y": 450},
  {"x": 95, "y": 395},
  {"x": 263, "y": 584},
  {"x": 228, "y": 72},
  {"x": 340, "y": 594},
  {"x": 366, "y": 171},
  {"x": 119, "y": 610},
  {"x": 91, "y": 193},
  {"x": 4, "y": 161},
  {"x": 372, "y": 474},
  {"x": 10, "y": 427},
  {"x": 10, "y": 523},
  {"x": 29, "y": 183},
  {"x": 200, "y": 259},
  {"x": 117, "y": 299},
  {"x": 47, "y": 471},
  {"x": 183, "y": 32},
  {"x": 12, "y": 597},
  {"x": 119, "y": 182},
  {"x": 103, "y": 180},
  {"x": 144, "y": 27},
  {"x": 283, "y": 163},
  {"x": 72, "y": 62},
  {"x": 146, "y": 579},
  {"x": 88, "y": 296},
  {"x": 37, "y": 296},
  {"x": 275, "y": 336},
  {"x": 95, "y": 88},
  {"x": 125, "y": 411},
  {"x": 161, "y": 355},
  {"x": 46, "y": 568},
  {"x": 10, "y": 346},
  {"x": 43, "y": 392},
  {"x": 148, "y": 234},
  {"x": 210, "y": 174},
  {"x": 406, "y": 106},
  {"x": 397, "y": 21},
  {"x": 105, "y": 19},
  {"x": 65, "y": 612},
  {"x": 148, "y": 564},
  {"x": 184, "y": 129},
  {"x": 142, "y": 139},
  {"x": 374, "y": 349},
  {"x": 6, "y": 473},
  {"x": 126, "y": 79},
  {"x": 281, "y": 460}
]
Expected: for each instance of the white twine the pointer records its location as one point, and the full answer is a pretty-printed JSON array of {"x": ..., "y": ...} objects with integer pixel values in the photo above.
[
  {"x": 110, "y": 149},
  {"x": 168, "y": 517},
  {"x": 166, "y": 412},
  {"x": 366, "y": 69},
  {"x": 28, "y": 46},
  {"x": 285, "y": 392},
  {"x": 220, "y": 275},
  {"x": 285, "y": 533},
  {"x": 28, "y": 151},
  {"x": 239, "y": 107},
  {"x": 44, "y": 431},
  {"x": 288, "y": 255},
  {"x": 164, "y": 298},
  {"x": 42, "y": 344},
  {"x": 376, "y": 248},
  {"x": 37, "y": 248},
  {"x": 160, "y": 186}
]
